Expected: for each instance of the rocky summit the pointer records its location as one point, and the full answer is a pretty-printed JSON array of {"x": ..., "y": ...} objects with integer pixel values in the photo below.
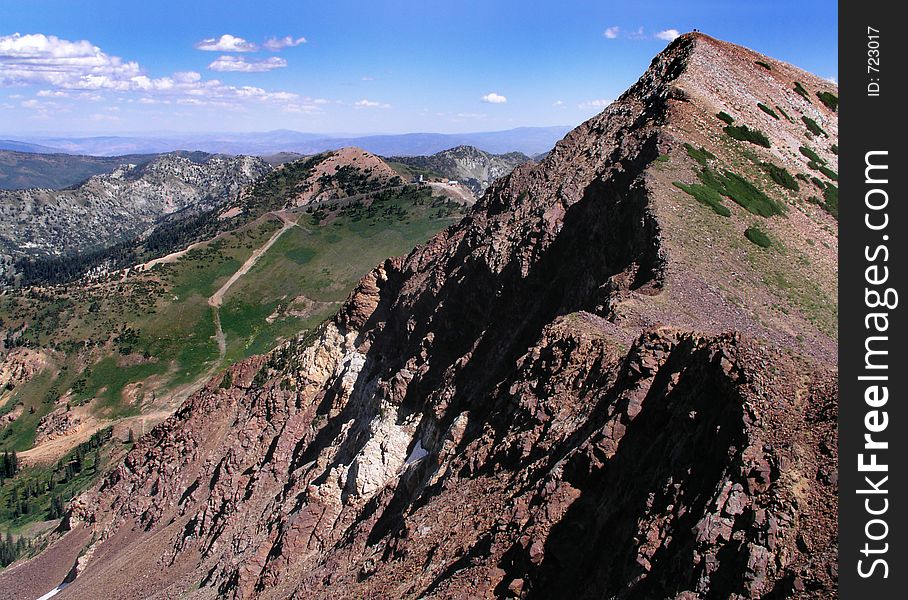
[
  {"x": 614, "y": 378},
  {"x": 474, "y": 167}
]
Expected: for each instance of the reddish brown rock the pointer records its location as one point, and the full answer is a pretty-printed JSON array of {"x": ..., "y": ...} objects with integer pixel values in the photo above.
[{"x": 562, "y": 396}]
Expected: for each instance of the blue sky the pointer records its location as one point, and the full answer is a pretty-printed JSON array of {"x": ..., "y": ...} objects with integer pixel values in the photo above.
[{"x": 358, "y": 67}]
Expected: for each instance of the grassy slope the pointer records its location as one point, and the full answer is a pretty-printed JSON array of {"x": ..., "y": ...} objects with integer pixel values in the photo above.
[{"x": 117, "y": 345}]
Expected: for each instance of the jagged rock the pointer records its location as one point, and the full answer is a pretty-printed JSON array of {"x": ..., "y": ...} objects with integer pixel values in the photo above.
[{"x": 601, "y": 418}]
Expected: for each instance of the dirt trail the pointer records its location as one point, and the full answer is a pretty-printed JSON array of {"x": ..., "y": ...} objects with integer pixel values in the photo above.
[
  {"x": 217, "y": 298},
  {"x": 54, "y": 449}
]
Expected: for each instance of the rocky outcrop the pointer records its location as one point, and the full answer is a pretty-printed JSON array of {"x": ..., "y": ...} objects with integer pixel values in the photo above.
[
  {"x": 58, "y": 423},
  {"x": 471, "y": 166},
  {"x": 119, "y": 205},
  {"x": 558, "y": 397}
]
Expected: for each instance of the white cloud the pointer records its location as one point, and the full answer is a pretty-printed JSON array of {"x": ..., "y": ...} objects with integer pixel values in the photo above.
[
  {"x": 187, "y": 76},
  {"x": 242, "y": 65},
  {"x": 81, "y": 71},
  {"x": 612, "y": 32},
  {"x": 668, "y": 35},
  {"x": 42, "y": 109},
  {"x": 558, "y": 103},
  {"x": 833, "y": 79},
  {"x": 226, "y": 43},
  {"x": 370, "y": 104},
  {"x": 276, "y": 44},
  {"x": 367, "y": 78},
  {"x": 493, "y": 98},
  {"x": 597, "y": 103},
  {"x": 36, "y": 59}
]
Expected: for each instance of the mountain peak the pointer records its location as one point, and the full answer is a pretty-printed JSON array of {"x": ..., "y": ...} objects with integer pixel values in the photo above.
[{"x": 593, "y": 385}]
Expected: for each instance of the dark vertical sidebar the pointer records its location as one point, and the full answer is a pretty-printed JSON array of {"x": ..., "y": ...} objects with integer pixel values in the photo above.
[{"x": 873, "y": 420}]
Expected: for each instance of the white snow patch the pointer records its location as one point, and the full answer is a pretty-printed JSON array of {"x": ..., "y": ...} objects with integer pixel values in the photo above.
[{"x": 54, "y": 591}]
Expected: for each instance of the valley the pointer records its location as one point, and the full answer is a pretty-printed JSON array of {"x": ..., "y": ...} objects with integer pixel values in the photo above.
[{"x": 114, "y": 355}]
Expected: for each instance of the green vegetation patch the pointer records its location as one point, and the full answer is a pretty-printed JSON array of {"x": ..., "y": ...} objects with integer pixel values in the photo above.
[
  {"x": 763, "y": 64},
  {"x": 714, "y": 185},
  {"x": 781, "y": 176},
  {"x": 726, "y": 117},
  {"x": 742, "y": 191},
  {"x": 834, "y": 149},
  {"x": 831, "y": 200},
  {"x": 801, "y": 91},
  {"x": 758, "y": 237},
  {"x": 40, "y": 493},
  {"x": 828, "y": 172},
  {"x": 812, "y": 126},
  {"x": 784, "y": 114},
  {"x": 746, "y": 134},
  {"x": 813, "y": 156},
  {"x": 705, "y": 195},
  {"x": 767, "y": 110},
  {"x": 663, "y": 158},
  {"x": 829, "y": 99},
  {"x": 701, "y": 155}
]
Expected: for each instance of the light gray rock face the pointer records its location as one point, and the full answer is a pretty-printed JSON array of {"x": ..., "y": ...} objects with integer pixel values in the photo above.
[{"x": 120, "y": 205}]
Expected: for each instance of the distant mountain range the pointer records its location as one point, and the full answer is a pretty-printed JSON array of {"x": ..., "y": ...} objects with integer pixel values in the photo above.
[
  {"x": 34, "y": 169},
  {"x": 528, "y": 140}
]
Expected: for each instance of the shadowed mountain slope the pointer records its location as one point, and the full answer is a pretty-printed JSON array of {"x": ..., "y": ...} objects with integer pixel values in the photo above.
[{"x": 614, "y": 378}]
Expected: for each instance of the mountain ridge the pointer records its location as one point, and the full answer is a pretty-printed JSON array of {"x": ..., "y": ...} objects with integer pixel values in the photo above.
[{"x": 593, "y": 385}]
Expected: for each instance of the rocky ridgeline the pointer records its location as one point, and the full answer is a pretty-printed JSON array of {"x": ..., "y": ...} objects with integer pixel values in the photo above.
[
  {"x": 120, "y": 205},
  {"x": 561, "y": 396}
]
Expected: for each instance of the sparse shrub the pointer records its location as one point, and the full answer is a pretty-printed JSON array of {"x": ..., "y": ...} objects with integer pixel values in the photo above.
[
  {"x": 746, "y": 134},
  {"x": 813, "y": 156},
  {"x": 767, "y": 110},
  {"x": 818, "y": 182},
  {"x": 662, "y": 158},
  {"x": 829, "y": 173},
  {"x": 781, "y": 176},
  {"x": 812, "y": 126},
  {"x": 743, "y": 192},
  {"x": 831, "y": 197},
  {"x": 726, "y": 117},
  {"x": 758, "y": 237},
  {"x": 829, "y": 99},
  {"x": 701, "y": 155},
  {"x": 763, "y": 64},
  {"x": 705, "y": 195},
  {"x": 782, "y": 111},
  {"x": 834, "y": 149},
  {"x": 801, "y": 91}
]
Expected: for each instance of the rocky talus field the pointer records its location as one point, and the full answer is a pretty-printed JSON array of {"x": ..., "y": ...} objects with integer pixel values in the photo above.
[{"x": 613, "y": 378}]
